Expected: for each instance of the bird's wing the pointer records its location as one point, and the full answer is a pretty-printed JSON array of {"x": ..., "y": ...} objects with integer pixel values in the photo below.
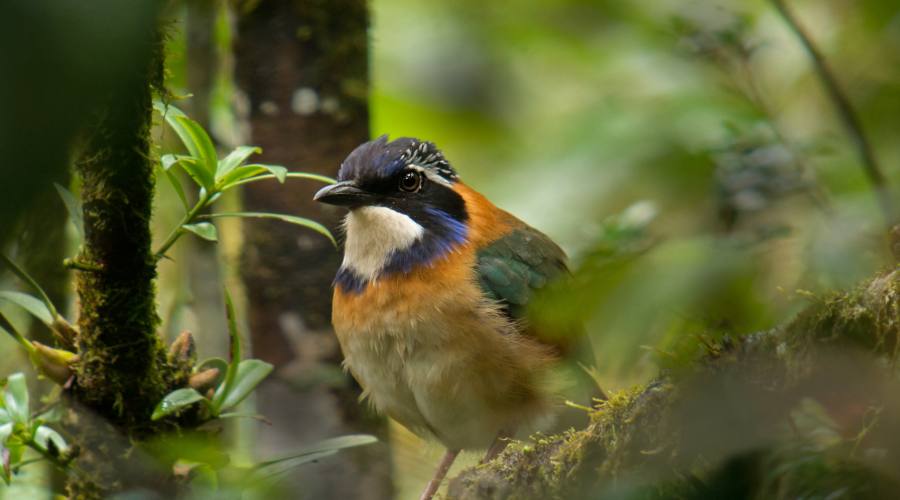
[{"x": 513, "y": 267}]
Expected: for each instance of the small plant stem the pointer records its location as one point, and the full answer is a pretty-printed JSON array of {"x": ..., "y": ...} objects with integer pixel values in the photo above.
[
  {"x": 44, "y": 453},
  {"x": 24, "y": 276},
  {"x": 6, "y": 325},
  {"x": 179, "y": 229},
  {"x": 845, "y": 111}
]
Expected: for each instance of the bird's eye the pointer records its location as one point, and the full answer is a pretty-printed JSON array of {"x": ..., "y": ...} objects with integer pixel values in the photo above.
[{"x": 411, "y": 181}]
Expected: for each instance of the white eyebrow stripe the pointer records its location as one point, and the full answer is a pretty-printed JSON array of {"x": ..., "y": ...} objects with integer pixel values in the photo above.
[{"x": 430, "y": 174}]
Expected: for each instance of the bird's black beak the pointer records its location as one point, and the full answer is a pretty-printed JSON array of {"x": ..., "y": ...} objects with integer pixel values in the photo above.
[{"x": 345, "y": 194}]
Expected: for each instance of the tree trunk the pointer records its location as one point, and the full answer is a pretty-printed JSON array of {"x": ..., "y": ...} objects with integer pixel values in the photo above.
[
  {"x": 123, "y": 372},
  {"x": 303, "y": 68}
]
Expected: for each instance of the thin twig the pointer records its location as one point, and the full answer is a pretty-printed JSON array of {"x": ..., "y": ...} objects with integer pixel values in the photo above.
[{"x": 846, "y": 113}]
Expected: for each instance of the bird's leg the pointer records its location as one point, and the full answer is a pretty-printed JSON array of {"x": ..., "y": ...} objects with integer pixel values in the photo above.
[
  {"x": 439, "y": 474},
  {"x": 497, "y": 446}
]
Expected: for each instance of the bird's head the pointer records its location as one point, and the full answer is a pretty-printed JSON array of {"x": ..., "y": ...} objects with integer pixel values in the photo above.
[{"x": 404, "y": 210}]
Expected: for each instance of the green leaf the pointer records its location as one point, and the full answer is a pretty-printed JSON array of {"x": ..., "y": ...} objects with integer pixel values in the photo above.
[
  {"x": 300, "y": 221},
  {"x": 176, "y": 401},
  {"x": 191, "y": 166},
  {"x": 5, "y": 431},
  {"x": 15, "y": 398},
  {"x": 234, "y": 354},
  {"x": 269, "y": 472},
  {"x": 205, "y": 230},
  {"x": 195, "y": 139},
  {"x": 203, "y": 149},
  {"x": 31, "y": 304},
  {"x": 278, "y": 171},
  {"x": 251, "y": 171},
  {"x": 26, "y": 344},
  {"x": 290, "y": 175},
  {"x": 243, "y": 414},
  {"x": 73, "y": 206},
  {"x": 6, "y": 469},
  {"x": 217, "y": 363},
  {"x": 203, "y": 476},
  {"x": 45, "y": 435},
  {"x": 317, "y": 451},
  {"x": 234, "y": 159},
  {"x": 176, "y": 186},
  {"x": 18, "y": 271},
  {"x": 249, "y": 374}
]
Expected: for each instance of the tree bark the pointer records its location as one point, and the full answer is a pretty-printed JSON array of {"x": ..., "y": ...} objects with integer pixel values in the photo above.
[
  {"x": 725, "y": 427},
  {"x": 123, "y": 371},
  {"x": 302, "y": 66}
]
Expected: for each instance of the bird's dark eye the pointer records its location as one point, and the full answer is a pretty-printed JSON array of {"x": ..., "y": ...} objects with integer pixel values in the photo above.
[{"x": 410, "y": 181}]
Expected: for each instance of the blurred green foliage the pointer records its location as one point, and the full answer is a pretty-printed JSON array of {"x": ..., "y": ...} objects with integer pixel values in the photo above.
[
  {"x": 568, "y": 112},
  {"x": 683, "y": 152}
]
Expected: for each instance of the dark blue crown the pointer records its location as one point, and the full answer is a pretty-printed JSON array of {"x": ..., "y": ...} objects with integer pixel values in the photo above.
[{"x": 382, "y": 159}]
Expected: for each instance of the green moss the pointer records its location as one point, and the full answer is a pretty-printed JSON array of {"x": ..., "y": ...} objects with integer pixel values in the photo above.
[
  {"x": 123, "y": 370},
  {"x": 633, "y": 446}
]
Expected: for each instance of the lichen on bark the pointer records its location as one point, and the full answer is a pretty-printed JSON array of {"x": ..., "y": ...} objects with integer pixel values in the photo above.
[{"x": 732, "y": 423}]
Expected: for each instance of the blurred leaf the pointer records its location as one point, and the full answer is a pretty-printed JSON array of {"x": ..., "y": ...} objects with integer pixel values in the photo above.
[
  {"x": 205, "y": 230},
  {"x": 176, "y": 186},
  {"x": 249, "y": 374},
  {"x": 15, "y": 398},
  {"x": 204, "y": 476},
  {"x": 5, "y": 430},
  {"x": 300, "y": 221},
  {"x": 45, "y": 435},
  {"x": 244, "y": 414},
  {"x": 5, "y": 456},
  {"x": 176, "y": 401},
  {"x": 189, "y": 446},
  {"x": 73, "y": 206},
  {"x": 322, "y": 449},
  {"x": 234, "y": 159},
  {"x": 30, "y": 304}
]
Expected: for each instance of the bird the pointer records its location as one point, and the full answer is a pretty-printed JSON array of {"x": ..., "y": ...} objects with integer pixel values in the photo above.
[{"x": 430, "y": 301}]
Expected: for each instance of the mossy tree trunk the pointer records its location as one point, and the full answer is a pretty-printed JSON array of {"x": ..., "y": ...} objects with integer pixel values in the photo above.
[
  {"x": 123, "y": 371},
  {"x": 808, "y": 410},
  {"x": 303, "y": 66}
]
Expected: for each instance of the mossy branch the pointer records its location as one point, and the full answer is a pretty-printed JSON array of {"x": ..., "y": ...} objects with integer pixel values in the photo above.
[{"x": 714, "y": 425}]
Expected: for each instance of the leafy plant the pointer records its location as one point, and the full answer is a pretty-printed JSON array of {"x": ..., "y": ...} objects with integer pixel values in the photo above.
[
  {"x": 241, "y": 376},
  {"x": 20, "y": 431},
  {"x": 214, "y": 176},
  {"x": 217, "y": 385}
]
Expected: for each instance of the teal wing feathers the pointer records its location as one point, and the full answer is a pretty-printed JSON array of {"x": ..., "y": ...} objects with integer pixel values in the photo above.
[{"x": 513, "y": 267}]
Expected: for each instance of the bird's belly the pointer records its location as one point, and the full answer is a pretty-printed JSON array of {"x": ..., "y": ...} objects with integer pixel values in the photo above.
[{"x": 435, "y": 385}]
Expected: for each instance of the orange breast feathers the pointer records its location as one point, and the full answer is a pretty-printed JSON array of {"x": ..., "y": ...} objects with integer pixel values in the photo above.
[{"x": 400, "y": 297}]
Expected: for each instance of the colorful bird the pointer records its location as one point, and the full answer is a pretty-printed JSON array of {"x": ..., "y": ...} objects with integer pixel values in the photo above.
[{"x": 429, "y": 301}]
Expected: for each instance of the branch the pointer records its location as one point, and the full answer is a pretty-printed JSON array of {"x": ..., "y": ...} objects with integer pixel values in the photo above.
[
  {"x": 846, "y": 113},
  {"x": 728, "y": 417}
]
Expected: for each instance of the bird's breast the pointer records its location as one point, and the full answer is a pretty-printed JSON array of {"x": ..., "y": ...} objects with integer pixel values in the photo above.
[{"x": 432, "y": 353}]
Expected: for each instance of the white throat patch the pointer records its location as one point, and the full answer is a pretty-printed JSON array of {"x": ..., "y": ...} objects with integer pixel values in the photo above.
[{"x": 373, "y": 234}]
